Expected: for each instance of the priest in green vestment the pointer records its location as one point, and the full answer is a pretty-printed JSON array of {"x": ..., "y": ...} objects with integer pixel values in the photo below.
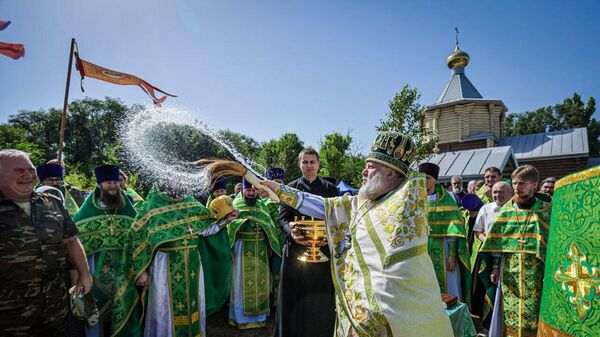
[
  {"x": 491, "y": 175},
  {"x": 447, "y": 244},
  {"x": 167, "y": 260},
  {"x": 52, "y": 175},
  {"x": 104, "y": 223},
  {"x": 253, "y": 238},
  {"x": 517, "y": 240},
  {"x": 216, "y": 258},
  {"x": 571, "y": 295}
]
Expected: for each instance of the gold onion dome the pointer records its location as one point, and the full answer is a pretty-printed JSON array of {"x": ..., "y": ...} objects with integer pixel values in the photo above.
[{"x": 457, "y": 59}]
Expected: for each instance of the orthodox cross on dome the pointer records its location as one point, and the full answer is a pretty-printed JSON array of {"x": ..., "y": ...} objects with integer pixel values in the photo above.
[{"x": 456, "y": 30}]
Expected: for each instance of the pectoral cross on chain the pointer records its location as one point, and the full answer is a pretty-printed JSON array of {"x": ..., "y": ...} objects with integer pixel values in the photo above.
[
  {"x": 521, "y": 242},
  {"x": 191, "y": 231},
  {"x": 111, "y": 228}
]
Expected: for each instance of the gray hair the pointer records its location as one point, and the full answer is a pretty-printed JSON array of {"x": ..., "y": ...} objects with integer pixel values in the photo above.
[
  {"x": 471, "y": 184},
  {"x": 459, "y": 178},
  {"x": 12, "y": 153},
  {"x": 549, "y": 180}
]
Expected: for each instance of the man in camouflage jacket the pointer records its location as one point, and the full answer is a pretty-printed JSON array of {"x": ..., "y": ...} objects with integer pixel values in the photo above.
[{"x": 37, "y": 237}]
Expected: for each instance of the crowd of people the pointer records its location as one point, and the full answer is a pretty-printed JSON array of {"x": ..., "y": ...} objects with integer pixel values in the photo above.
[{"x": 111, "y": 263}]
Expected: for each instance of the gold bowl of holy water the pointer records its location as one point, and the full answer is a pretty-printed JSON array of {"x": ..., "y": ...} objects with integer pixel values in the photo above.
[{"x": 315, "y": 233}]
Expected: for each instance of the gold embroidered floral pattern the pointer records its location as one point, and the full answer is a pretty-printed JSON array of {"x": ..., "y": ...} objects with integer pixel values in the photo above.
[{"x": 402, "y": 216}]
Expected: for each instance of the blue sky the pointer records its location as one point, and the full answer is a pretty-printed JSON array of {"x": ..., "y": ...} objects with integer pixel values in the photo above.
[{"x": 311, "y": 67}]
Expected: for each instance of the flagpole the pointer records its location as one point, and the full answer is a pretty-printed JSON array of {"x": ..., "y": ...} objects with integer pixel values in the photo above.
[{"x": 63, "y": 120}]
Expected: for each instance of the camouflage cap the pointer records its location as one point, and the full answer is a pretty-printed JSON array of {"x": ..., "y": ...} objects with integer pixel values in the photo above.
[{"x": 394, "y": 150}]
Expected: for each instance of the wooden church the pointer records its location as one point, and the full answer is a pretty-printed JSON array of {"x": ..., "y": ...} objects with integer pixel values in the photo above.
[{"x": 470, "y": 134}]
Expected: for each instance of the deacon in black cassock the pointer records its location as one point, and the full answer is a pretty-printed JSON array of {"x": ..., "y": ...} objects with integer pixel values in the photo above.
[{"x": 306, "y": 305}]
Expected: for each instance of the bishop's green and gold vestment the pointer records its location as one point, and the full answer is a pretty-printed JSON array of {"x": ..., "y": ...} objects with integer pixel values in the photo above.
[
  {"x": 448, "y": 237},
  {"x": 521, "y": 236},
  {"x": 253, "y": 237},
  {"x": 106, "y": 237},
  {"x": 384, "y": 279},
  {"x": 166, "y": 236},
  {"x": 571, "y": 296}
]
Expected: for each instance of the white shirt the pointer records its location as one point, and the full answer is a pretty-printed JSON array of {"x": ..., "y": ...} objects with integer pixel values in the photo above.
[{"x": 486, "y": 216}]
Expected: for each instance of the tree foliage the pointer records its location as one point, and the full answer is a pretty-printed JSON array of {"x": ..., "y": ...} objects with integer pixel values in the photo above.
[
  {"x": 91, "y": 132},
  {"x": 339, "y": 160},
  {"x": 282, "y": 152},
  {"x": 570, "y": 114},
  {"x": 13, "y": 137},
  {"x": 406, "y": 116}
]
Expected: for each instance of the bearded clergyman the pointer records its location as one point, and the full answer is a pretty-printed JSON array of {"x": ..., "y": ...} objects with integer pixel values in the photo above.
[
  {"x": 104, "y": 222},
  {"x": 384, "y": 279},
  {"x": 517, "y": 241}
]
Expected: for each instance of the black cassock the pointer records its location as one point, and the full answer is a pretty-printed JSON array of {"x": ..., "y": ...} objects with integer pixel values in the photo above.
[{"x": 306, "y": 304}]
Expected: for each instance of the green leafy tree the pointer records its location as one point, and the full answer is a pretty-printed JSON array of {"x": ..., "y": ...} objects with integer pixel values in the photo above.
[
  {"x": 339, "y": 160},
  {"x": 12, "y": 137},
  {"x": 530, "y": 122},
  {"x": 282, "y": 152},
  {"x": 91, "y": 132},
  {"x": 406, "y": 116},
  {"x": 41, "y": 128},
  {"x": 570, "y": 114}
]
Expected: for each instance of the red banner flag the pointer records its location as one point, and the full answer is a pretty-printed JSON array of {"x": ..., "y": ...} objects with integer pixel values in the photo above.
[
  {"x": 12, "y": 50},
  {"x": 4, "y": 24},
  {"x": 91, "y": 70}
]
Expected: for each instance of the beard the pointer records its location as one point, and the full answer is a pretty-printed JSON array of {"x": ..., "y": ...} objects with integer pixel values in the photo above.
[
  {"x": 110, "y": 200},
  {"x": 373, "y": 188},
  {"x": 521, "y": 199},
  {"x": 250, "y": 201},
  {"x": 457, "y": 189}
]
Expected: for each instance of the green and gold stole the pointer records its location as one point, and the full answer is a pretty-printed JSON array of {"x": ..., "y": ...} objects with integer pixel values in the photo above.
[
  {"x": 445, "y": 221},
  {"x": 173, "y": 225},
  {"x": 521, "y": 235},
  {"x": 107, "y": 233},
  {"x": 255, "y": 252},
  {"x": 571, "y": 296}
]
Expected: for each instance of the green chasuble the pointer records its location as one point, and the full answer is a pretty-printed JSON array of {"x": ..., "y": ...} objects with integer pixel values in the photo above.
[
  {"x": 521, "y": 235},
  {"x": 446, "y": 221},
  {"x": 173, "y": 226},
  {"x": 571, "y": 295},
  {"x": 106, "y": 233},
  {"x": 216, "y": 262},
  {"x": 258, "y": 233}
]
